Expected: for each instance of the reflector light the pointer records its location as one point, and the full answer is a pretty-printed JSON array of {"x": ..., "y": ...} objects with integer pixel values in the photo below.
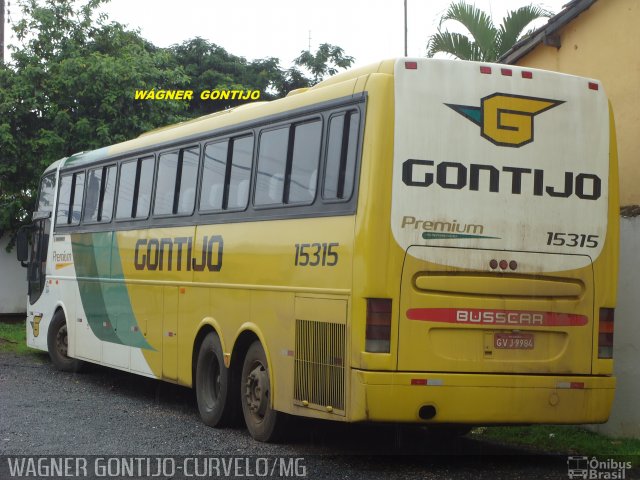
[
  {"x": 593, "y": 86},
  {"x": 503, "y": 264},
  {"x": 527, "y": 74},
  {"x": 378, "y": 331},
  {"x": 427, "y": 382},
  {"x": 506, "y": 72},
  {"x": 570, "y": 385},
  {"x": 485, "y": 69},
  {"x": 605, "y": 333},
  {"x": 411, "y": 65}
]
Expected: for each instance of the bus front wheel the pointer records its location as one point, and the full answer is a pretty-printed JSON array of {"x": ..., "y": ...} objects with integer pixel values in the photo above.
[
  {"x": 58, "y": 345},
  {"x": 213, "y": 382},
  {"x": 263, "y": 422}
]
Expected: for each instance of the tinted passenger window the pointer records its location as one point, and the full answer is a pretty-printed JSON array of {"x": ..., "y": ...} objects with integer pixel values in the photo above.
[
  {"x": 188, "y": 177},
  {"x": 342, "y": 149},
  {"x": 272, "y": 159},
  {"x": 70, "y": 199},
  {"x": 64, "y": 198},
  {"x": 225, "y": 184},
  {"x": 145, "y": 185},
  {"x": 134, "y": 190},
  {"x": 166, "y": 183},
  {"x": 304, "y": 164},
  {"x": 213, "y": 175},
  {"x": 240, "y": 172},
  {"x": 176, "y": 184},
  {"x": 126, "y": 189},
  {"x": 100, "y": 189}
]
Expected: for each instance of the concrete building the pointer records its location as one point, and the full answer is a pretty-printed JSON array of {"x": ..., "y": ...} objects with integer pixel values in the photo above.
[{"x": 600, "y": 39}]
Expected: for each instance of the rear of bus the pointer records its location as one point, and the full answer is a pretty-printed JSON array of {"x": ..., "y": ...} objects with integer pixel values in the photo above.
[{"x": 503, "y": 244}]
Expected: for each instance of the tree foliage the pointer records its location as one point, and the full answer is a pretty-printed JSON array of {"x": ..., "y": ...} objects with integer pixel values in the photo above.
[
  {"x": 485, "y": 41},
  {"x": 325, "y": 62},
  {"x": 72, "y": 81}
]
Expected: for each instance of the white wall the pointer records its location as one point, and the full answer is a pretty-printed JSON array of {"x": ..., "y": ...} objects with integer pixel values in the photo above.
[
  {"x": 13, "y": 281},
  {"x": 625, "y": 416}
]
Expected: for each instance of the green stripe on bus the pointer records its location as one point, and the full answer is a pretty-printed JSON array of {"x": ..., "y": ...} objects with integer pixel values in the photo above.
[{"x": 106, "y": 304}]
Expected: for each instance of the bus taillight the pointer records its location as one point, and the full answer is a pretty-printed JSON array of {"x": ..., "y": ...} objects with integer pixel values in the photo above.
[
  {"x": 378, "y": 334},
  {"x": 605, "y": 333}
]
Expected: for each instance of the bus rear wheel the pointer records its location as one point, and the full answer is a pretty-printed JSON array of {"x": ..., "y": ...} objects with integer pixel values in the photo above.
[
  {"x": 263, "y": 422},
  {"x": 58, "y": 345},
  {"x": 213, "y": 382}
]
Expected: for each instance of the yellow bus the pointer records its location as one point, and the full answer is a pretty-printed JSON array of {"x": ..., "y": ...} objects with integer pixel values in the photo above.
[{"x": 417, "y": 241}]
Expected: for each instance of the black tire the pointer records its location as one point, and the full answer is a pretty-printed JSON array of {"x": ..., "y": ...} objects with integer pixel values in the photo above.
[
  {"x": 213, "y": 384},
  {"x": 263, "y": 422},
  {"x": 57, "y": 344}
]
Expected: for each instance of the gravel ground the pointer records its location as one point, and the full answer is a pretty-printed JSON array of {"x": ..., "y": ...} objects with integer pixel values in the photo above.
[{"x": 107, "y": 412}]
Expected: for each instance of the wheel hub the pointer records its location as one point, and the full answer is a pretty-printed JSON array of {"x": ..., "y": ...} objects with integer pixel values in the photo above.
[{"x": 257, "y": 391}]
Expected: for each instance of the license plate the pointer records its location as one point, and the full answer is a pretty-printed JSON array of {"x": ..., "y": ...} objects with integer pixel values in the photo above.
[{"x": 513, "y": 341}]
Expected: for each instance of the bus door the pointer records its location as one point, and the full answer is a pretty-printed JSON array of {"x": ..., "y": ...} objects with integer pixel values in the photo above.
[{"x": 37, "y": 266}]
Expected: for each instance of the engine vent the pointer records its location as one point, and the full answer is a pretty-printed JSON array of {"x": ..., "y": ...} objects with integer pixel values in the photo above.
[{"x": 319, "y": 365}]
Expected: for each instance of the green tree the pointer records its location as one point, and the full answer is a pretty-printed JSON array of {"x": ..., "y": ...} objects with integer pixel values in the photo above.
[
  {"x": 71, "y": 88},
  {"x": 325, "y": 62},
  {"x": 485, "y": 41}
]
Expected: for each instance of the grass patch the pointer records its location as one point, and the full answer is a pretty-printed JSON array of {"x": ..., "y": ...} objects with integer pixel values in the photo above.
[
  {"x": 563, "y": 439},
  {"x": 13, "y": 338}
]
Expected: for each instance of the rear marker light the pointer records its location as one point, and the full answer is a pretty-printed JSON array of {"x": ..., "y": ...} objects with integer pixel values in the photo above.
[
  {"x": 427, "y": 382},
  {"x": 493, "y": 264},
  {"x": 570, "y": 385},
  {"x": 513, "y": 265},
  {"x": 503, "y": 264},
  {"x": 506, "y": 72},
  {"x": 605, "y": 333},
  {"x": 593, "y": 86},
  {"x": 411, "y": 65},
  {"x": 378, "y": 331},
  {"x": 527, "y": 74},
  {"x": 485, "y": 70}
]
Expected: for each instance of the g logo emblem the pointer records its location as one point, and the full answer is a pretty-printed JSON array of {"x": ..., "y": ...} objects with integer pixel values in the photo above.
[{"x": 504, "y": 119}]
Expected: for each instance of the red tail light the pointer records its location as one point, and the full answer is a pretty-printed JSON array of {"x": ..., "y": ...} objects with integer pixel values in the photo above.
[
  {"x": 605, "y": 333},
  {"x": 378, "y": 336}
]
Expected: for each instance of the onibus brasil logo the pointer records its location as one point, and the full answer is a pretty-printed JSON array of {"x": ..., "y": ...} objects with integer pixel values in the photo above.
[{"x": 505, "y": 119}]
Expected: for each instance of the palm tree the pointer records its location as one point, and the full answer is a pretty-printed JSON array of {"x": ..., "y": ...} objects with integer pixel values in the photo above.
[{"x": 486, "y": 43}]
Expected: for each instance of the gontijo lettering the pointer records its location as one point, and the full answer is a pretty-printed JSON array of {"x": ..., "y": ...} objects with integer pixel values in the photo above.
[{"x": 159, "y": 254}]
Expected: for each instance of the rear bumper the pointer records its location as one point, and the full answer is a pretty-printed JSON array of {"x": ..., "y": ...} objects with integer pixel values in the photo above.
[{"x": 480, "y": 398}]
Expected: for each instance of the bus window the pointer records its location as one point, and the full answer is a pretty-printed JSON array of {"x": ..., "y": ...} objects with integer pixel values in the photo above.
[
  {"x": 145, "y": 184},
  {"x": 215, "y": 161},
  {"x": 240, "y": 172},
  {"x": 304, "y": 166},
  {"x": 188, "y": 177},
  {"x": 126, "y": 188},
  {"x": 70, "y": 203},
  {"x": 100, "y": 190},
  {"x": 109, "y": 189},
  {"x": 167, "y": 174},
  {"x": 341, "y": 156},
  {"x": 134, "y": 190},
  {"x": 272, "y": 159},
  {"x": 63, "y": 200}
]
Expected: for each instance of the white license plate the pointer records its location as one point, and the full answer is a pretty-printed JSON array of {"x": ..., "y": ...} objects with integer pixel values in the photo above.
[{"x": 513, "y": 341}]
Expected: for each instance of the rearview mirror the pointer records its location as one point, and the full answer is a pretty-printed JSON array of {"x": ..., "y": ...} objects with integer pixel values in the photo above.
[{"x": 22, "y": 245}]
